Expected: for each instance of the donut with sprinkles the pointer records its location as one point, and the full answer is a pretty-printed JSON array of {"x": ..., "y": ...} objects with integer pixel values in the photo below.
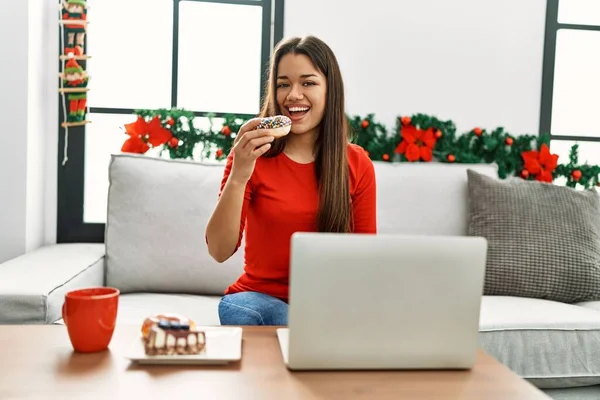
[{"x": 278, "y": 125}]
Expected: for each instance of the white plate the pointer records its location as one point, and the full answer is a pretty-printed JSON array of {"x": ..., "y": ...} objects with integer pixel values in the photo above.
[{"x": 223, "y": 345}]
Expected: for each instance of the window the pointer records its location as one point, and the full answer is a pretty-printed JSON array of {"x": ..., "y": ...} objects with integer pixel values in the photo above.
[
  {"x": 570, "y": 78},
  {"x": 149, "y": 54}
]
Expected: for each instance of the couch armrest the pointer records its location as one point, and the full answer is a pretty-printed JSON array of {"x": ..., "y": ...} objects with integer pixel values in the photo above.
[{"x": 32, "y": 286}]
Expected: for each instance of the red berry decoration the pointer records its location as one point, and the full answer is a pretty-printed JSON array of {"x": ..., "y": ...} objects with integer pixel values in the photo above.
[
  {"x": 509, "y": 141},
  {"x": 524, "y": 174},
  {"x": 219, "y": 153},
  {"x": 364, "y": 124},
  {"x": 438, "y": 134},
  {"x": 386, "y": 157},
  {"x": 405, "y": 120},
  {"x": 477, "y": 131},
  {"x": 173, "y": 142},
  {"x": 226, "y": 130},
  {"x": 576, "y": 175},
  {"x": 171, "y": 122},
  {"x": 451, "y": 158}
]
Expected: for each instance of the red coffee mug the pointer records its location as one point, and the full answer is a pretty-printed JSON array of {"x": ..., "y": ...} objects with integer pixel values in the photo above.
[{"x": 90, "y": 316}]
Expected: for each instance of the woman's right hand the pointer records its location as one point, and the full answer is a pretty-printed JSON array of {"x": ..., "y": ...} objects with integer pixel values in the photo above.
[{"x": 248, "y": 145}]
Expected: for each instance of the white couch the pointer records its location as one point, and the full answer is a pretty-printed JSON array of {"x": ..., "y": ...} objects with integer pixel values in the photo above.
[{"x": 156, "y": 255}]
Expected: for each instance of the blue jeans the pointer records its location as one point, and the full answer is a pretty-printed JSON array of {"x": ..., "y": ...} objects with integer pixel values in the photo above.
[{"x": 252, "y": 308}]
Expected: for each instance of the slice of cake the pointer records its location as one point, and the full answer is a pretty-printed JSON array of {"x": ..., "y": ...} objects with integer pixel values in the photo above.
[{"x": 174, "y": 337}]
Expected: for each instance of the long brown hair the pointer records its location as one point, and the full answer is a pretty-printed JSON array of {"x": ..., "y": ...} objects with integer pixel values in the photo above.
[{"x": 331, "y": 153}]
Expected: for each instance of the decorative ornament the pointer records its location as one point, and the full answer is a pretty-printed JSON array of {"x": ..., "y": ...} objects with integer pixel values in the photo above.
[
  {"x": 142, "y": 134},
  {"x": 73, "y": 76},
  {"x": 170, "y": 122},
  {"x": 364, "y": 124},
  {"x": 477, "y": 131},
  {"x": 576, "y": 175},
  {"x": 75, "y": 23},
  {"x": 173, "y": 142},
  {"x": 75, "y": 80},
  {"x": 416, "y": 144},
  {"x": 541, "y": 164},
  {"x": 524, "y": 155}
]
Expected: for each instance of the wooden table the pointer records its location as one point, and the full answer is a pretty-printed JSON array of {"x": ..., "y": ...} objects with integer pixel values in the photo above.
[{"x": 37, "y": 362}]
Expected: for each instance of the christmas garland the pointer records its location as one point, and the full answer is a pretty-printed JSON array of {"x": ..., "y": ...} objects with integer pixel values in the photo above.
[{"x": 415, "y": 138}]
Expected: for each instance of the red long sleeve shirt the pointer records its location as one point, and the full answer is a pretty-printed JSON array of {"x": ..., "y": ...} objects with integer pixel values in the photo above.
[{"x": 282, "y": 198}]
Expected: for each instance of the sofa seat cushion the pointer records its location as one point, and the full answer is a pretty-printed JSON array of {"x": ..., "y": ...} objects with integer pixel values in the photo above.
[
  {"x": 135, "y": 307},
  {"x": 578, "y": 393},
  {"x": 551, "y": 344},
  {"x": 33, "y": 286},
  {"x": 594, "y": 305}
]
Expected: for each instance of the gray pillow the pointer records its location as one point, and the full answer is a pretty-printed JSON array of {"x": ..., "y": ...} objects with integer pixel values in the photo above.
[{"x": 543, "y": 239}]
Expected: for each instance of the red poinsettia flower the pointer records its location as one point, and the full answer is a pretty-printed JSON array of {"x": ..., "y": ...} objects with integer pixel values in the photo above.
[
  {"x": 135, "y": 145},
  {"x": 417, "y": 143},
  {"x": 541, "y": 164},
  {"x": 142, "y": 132}
]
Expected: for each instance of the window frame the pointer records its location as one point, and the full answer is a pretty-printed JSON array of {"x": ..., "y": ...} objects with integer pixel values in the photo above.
[
  {"x": 548, "y": 69},
  {"x": 71, "y": 228}
]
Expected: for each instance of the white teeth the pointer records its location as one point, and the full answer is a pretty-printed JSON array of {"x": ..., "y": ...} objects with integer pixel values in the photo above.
[{"x": 294, "y": 109}]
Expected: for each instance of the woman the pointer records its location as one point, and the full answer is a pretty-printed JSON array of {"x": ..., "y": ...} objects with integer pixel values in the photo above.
[{"x": 311, "y": 180}]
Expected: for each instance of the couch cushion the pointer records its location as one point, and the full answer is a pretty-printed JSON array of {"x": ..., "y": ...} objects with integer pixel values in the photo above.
[
  {"x": 33, "y": 286},
  {"x": 551, "y": 344},
  {"x": 543, "y": 239},
  {"x": 594, "y": 305},
  {"x": 579, "y": 393},
  {"x": 425, "y": 198},
  {"x": 135, "y": 307},
  {"x": 157, "y": 215}
]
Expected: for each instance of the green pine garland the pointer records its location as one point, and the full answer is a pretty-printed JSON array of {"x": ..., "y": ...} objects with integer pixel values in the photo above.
[
  {"x": 180, "y": 122},
  {"x": 585, "y": 175},
  {"x": 219, "y": 142},
  {"x": 475, "y": 146}
]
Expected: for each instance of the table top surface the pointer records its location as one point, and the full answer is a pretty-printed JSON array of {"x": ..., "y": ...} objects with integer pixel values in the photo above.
[{"x": 38, "y": 362}]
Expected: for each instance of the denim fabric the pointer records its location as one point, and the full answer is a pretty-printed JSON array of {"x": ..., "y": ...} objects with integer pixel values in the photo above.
[{"x": 252, "y": 308}]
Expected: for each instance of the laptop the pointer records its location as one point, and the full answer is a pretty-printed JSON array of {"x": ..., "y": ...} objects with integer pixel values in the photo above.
[{"x": 373, "y": 302}]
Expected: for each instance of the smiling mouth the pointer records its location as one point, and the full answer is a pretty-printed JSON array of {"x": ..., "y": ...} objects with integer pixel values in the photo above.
[{"x": 297, "y": 112}]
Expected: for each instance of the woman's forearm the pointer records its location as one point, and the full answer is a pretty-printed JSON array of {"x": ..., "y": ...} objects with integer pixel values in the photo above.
[{"x": 223, "y": 229}]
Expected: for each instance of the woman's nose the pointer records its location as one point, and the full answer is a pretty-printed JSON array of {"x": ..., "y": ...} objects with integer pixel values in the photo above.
[{"x": 295, "y": 93}]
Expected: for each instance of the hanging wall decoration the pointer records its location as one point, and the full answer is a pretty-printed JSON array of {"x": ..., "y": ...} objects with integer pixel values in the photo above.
[
  {"x": 415, "y": 138},
  {"x": 73, "y": 76}
]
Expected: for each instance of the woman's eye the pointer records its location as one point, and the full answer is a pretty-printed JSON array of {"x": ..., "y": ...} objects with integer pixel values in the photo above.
[
  {"x": 281, "y": 85},
  {"x": 309, "y": 83}
]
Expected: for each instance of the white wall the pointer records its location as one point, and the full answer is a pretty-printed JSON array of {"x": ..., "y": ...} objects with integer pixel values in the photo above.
[
  {"x": 49, "y": 128},
  {"x": 478, "y": 63},
  {"x": 13, "y": 135},
  {"x": 28, "y": 82}
]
